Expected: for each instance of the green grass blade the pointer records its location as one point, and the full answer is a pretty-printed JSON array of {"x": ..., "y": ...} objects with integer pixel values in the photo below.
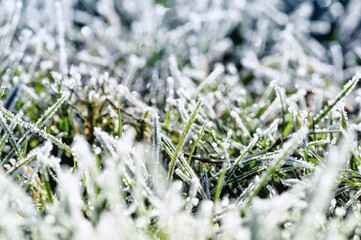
[
  {"x": 120, "y": 124},
  {"x": 288, "y": 126},
  {"x": 243, "y": 154},
  {"x": 39, "y": 123},
  {"x": 23, "y": 163},
  {"x": 32, "y": 127},
  {"x": 181, "y": 141},
  {"x": 5, "y": 136},
  {"x": 196, "y": 143},
  {"x": 287, "y": 149},
  {"x": 220, "y": 182},
  {"x": 11, "y": 136},
  {"x": 347, "y": 89},
  {"x": 45, "y": 179}
]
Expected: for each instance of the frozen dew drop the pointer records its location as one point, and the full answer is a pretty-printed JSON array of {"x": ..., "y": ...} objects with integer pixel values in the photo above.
[{"x": 97, "y": 150}]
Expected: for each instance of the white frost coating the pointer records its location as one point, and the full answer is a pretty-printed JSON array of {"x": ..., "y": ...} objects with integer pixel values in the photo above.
[
  {"x": 85, "y": 158},
  {"x": 42, "y": 133},
  {"x": 239, "y": 122},
  {"x": 124, "y": 91},
  {"x": 143, "y": 57},
  {"x": 219, "y": 69},
  {"x": 63, "y": 65},
  {"x": 321, "y": 193}
]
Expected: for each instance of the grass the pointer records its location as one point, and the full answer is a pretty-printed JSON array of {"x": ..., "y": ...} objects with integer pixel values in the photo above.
[
  {"x": 181, "y": 141},
  {"x": 180, "y": 119}
]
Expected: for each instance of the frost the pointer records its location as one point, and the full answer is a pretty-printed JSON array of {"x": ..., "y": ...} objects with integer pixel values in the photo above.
[{"x": 270, "y": 153}]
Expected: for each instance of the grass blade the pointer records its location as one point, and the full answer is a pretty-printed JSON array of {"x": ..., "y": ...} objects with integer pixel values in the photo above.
[
  {"x": 181, "y": 141},
  {"x": 347, "y": 89},
  {"x": 220, "y": 182},
  {"x": 34, "y": 128},
  {"x": 243, "y": 154},
  {"x": 39, "y": 123},
  {"x": 120, "y": 125},
  {"x": 288, "y": 148},
  {"x": 11, "y": 136},
  {"x": 196, "y": 143}
]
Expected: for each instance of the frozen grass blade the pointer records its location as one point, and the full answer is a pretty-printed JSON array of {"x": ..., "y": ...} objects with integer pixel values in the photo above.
[
  {"x": 23, "y": 163},
  {"x": 322, "y": 193},
  {"x": 183, "y": 176},
  {"x": 105, "y": 141},
  {"x": 156, "y": 149},
  {"x": 347, "y": 89},
  {"x": 240, "y": 123},
  {"x": 288, "y": 148},
  {"x": 63, "y": 65},
  {"x": 168, "y": 146},
  {"x": 181, "y": 141},
  {"x": 32, "y": 127},
  {"x": 346, "y": 131},
  {"x": 51, "y": 110},
  {"x": 196, "y": 143},
  {"x": 39, "y": 123},
  {"x": 219, "y": 69},
  {"x": 243, "y": 154},
  {"x": 5, "y": 136},
  {"x": 351, "y": 145},
  {"x": 156, "y": 140},
  {"x": 11, "y": 136}
]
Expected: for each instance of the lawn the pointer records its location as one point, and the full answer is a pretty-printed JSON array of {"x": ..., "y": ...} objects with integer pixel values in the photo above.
[{"x": 180, "y": 119}]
